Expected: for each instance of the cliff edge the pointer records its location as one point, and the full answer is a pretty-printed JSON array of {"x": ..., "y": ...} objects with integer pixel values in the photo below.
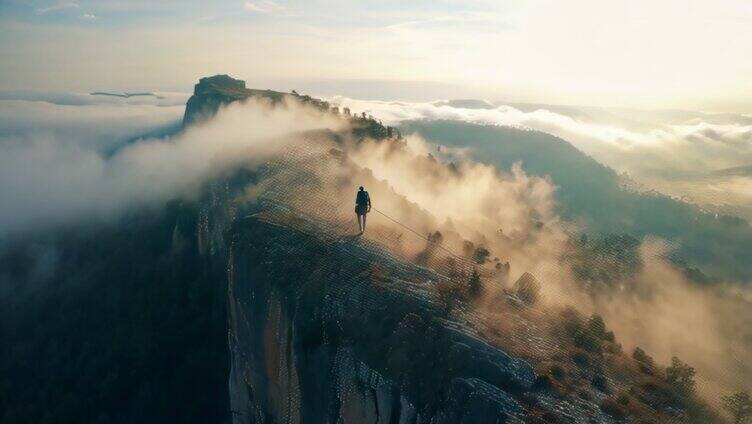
[{"x": 318, "y": 334}]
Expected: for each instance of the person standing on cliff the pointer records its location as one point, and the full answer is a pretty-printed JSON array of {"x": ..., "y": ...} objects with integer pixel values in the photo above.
[{"x": 362, "y": 207}]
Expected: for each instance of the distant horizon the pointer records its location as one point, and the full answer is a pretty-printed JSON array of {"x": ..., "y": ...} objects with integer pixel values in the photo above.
[
  {"x": 669, "y": 55},
  {"x": 346, "y": 88}
]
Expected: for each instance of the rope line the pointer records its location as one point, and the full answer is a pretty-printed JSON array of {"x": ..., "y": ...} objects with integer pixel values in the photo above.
[
  {"x": 445, "y": 249},
  {"x": 401, "y": 224},
  {"x": 297, "y": 159}
]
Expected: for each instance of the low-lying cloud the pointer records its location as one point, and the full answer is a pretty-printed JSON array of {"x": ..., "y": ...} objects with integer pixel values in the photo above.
[
  {"x": 95, "y": 125},
  {"x": 659, "y": 150},
  {"x": 53, "y": 169}
]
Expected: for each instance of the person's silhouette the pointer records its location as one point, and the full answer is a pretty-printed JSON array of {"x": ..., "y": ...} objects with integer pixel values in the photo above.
[{"x": 362, "y": 207}]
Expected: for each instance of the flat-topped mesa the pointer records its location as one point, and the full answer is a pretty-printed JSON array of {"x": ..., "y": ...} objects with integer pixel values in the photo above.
[
  {"x": 212, "y": 92},
  {"x": 219, "y": 90},
  {"x": 216, "y": 91},
  {"x": 218, "y": 83}
]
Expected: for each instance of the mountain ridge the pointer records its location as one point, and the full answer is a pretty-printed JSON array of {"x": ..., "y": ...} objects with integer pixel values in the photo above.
[{"x": 304, "y": 321}]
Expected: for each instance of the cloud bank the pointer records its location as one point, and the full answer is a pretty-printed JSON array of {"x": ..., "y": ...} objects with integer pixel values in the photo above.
[
  {"x": 53, "y": 169},
  {"x": 673, "y": 152}
]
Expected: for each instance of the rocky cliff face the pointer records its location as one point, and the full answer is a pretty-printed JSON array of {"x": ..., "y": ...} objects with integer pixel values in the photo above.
[
  {"x": 211, "y": 93},
  {"x": 326, "y": 328},
  {"x": 337, "y": 331}
]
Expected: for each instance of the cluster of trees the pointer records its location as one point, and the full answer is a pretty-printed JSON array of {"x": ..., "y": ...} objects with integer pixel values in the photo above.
[
  {"x": 675, "y": 385},
  {"x": 671, "y": 387},
  {"x": 465, "y": 289},
  {"x": 588, "y": 334},
  {"x": 680, "y": 378},
  {"x": 605, "y": 260},
  {"x": 478, "y": 254}
]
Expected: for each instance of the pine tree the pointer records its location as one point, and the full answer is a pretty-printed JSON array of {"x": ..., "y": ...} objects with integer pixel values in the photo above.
[{"x": 474, "y": 285}]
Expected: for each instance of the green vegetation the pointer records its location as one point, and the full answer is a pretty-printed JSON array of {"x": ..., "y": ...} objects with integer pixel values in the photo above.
[
  {"x": 465, "y": 289},
  {"x": 474, "y": 285},
  {"x": 589, "y": 335},
  {"x": 558, "y": 373},
  {"x": 645, "y": 361},
  {"x": 480, "y": 255},
  {"x": 449, "y": 294},
  {"x": 681, "y": 377},
  {"x": 605, "y": 260},
  {"x": 635, "y": 387}
]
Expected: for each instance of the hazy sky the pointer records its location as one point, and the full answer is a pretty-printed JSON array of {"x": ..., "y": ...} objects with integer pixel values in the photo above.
[{"x": 648, "y": 54}]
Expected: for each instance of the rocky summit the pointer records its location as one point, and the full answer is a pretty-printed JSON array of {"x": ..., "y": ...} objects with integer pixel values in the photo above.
[{"x": 212, "y": 92}]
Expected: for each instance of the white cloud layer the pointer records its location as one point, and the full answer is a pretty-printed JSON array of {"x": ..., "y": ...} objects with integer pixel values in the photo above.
[
  {"x": 672, "y": 153},
  {"x": 52, "y": 169}
]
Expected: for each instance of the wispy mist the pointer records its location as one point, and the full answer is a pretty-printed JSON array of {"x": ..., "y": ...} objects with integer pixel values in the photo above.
[
  {"x": 53, "y": 169},
  {"x": 675, "y": 152}
]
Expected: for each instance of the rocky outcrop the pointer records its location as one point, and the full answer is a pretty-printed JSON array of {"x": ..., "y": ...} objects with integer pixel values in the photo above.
[
  {"x": 337, "y": 331},
  {"x": 213, "y": 92}
]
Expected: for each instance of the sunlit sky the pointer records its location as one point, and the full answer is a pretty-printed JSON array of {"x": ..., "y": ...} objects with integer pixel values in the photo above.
[{"x": 646, "y": 54}]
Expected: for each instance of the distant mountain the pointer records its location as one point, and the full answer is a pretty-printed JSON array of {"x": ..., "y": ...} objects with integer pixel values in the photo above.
[{"x": 592, "y": 194}]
